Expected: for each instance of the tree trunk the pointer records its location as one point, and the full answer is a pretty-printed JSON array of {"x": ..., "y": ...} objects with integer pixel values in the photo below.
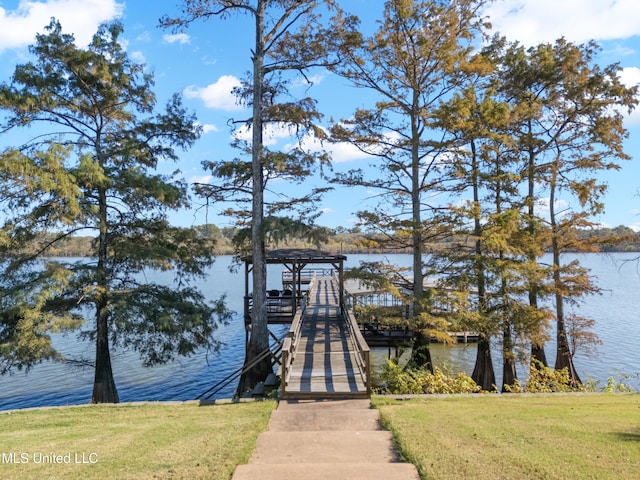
[
  {"x": 104, "y": 386},
  {"x": 416, "y": 210},
  {"x": 537, "y": 349},
  {"x": 564, "y": 359},
  {"x": 259, "y": 335},
  {"x": 483, "y": 373},
  {"x": 509, "y": 375},
  {"x": 538, "y": 355},
  {"x": 420, "y": 353}
]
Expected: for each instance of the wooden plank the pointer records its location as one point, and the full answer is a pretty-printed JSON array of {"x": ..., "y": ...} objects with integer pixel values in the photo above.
[{"x": 325, "y": 358}]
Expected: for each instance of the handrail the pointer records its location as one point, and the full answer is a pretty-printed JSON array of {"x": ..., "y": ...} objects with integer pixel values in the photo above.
[
  {"x": 362, "y": 349},
  {"x": 292, "y": 339},
  {"x": 363, "y": 352},
  {"x": 309, "y": 273}
]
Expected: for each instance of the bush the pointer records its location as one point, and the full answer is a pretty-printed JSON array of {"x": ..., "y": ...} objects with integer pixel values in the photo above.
[
  {"x": 397, "y": 380},
  {"x": 614, "y": 386},
  {"x": 546, "y": 380}
]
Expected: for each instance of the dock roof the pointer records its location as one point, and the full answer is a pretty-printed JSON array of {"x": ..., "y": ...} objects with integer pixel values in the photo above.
[{"x": 299, "y": 255}]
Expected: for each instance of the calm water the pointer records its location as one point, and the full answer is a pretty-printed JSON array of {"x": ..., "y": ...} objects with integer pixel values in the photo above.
[{"x": 616, "y": 312}]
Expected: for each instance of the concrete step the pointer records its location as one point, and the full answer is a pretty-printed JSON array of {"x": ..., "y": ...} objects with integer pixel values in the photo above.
[
  {"x": 321, "y": 439},
  {"x": 322, "y": 471},
  {"x": 314, "y": 404},
  {"x": 318, "y": 419},
  {"x": 337, "y": 395},
  {"x": 324, "y": 447}
]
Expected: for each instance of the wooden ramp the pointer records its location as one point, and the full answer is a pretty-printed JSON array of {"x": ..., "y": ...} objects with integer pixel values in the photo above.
[{"x": 326, "y": 363}]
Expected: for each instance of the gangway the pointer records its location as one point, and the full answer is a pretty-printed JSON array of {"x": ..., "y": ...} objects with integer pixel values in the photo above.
[{"x": 324, "y": 354}]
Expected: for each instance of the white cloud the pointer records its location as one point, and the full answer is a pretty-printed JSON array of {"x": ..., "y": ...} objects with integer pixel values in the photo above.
[
  {"x": 341, "y": 152},
  {"x": 180, "y": 38},
  {"x": 619, "y": 51},
  {"x": 144, "y": 37},
  {"x": 630, "y": 76},
  {"x": 18, "y": 27},
  {"x": 306, "y": 82},
  {"x": 635, "y": 227},
  {"x": 204, "y": 179},
  {"x": 138, "y": 57},
  {"x": 561, "y": 207},
  {"x": 338, "y": 152},
  {"x": 344, "y": 152},
  {"x": 271, "y": 135},
  {"x": 535, "y": 21},
  {"x": 208, "y": 128},
  {"x": 217, "y": 95},
  {"x": 601, "y": 225}
]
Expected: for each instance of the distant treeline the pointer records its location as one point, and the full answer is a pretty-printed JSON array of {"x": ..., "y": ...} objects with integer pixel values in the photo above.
[{"x": 341, "y": 240}]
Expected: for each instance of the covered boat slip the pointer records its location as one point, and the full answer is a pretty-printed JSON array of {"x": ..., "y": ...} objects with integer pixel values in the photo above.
[{"x": 300, "y": 266}]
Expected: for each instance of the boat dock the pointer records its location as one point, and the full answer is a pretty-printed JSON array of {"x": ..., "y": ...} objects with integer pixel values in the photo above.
[
  {"x": 324, "y": 426},
  {"x": 325, "y": 354}
]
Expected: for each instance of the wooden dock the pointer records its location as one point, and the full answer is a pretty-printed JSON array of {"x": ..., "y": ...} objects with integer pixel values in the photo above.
[{"x": 325, "y": 355}]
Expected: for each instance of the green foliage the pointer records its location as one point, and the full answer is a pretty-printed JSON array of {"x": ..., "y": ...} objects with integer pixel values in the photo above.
[
  {"x": 27, "y": 319},
  {"x": 546, "y": 380},
  {"x": 163, "y": 323},
  {"x": 614, "y": 386},
  {"x": 292, "y": 41},
  {"x": 420, "y": 381},
  {"x": 90, "y": 168}
]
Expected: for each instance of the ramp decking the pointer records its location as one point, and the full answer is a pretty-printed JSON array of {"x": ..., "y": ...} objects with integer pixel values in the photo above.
[{"x": 325, "y": 363}]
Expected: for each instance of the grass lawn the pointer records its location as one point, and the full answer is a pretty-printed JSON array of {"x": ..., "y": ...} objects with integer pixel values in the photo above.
[
  {"x": 574, "y": 436},
  {"x": 140, "y": 441}
]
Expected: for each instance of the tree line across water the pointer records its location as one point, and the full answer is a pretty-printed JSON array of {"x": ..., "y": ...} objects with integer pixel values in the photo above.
[{"x": 339, "y": 240}]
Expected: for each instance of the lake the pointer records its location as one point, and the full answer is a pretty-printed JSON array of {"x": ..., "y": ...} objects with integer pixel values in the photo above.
[{"x": 616, "y": 312}]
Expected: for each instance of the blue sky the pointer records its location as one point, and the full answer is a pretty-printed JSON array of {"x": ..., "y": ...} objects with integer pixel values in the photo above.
[{"x": 207, "y": 60}]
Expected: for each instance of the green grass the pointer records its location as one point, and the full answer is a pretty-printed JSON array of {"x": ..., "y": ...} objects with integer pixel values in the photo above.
[
  {"x": 558, "y": 436},
  {"x": 145, "y": 441}
]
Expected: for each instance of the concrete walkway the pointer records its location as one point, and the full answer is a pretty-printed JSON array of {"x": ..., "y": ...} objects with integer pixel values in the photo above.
[{"x": 325, "y": 440}]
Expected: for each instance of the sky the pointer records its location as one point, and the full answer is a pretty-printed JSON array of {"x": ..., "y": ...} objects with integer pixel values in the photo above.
[{"x": 207, "y": 60}]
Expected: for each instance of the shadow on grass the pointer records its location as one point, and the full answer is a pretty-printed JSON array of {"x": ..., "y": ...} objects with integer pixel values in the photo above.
[{"x": 627, "y": 436}]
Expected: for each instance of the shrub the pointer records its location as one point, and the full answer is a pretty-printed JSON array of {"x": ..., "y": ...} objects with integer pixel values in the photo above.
[
  {"x": 419, "y": 381},
  {"x": 614, "y": 386},
  {"x": 546, "y": 380}
]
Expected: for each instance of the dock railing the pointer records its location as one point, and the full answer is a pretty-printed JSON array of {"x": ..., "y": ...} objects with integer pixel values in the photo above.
[
  {"x": 307, "y": 274},
  {"x": 290, "y": 344},
  {"x": 362, "y": 350}
]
